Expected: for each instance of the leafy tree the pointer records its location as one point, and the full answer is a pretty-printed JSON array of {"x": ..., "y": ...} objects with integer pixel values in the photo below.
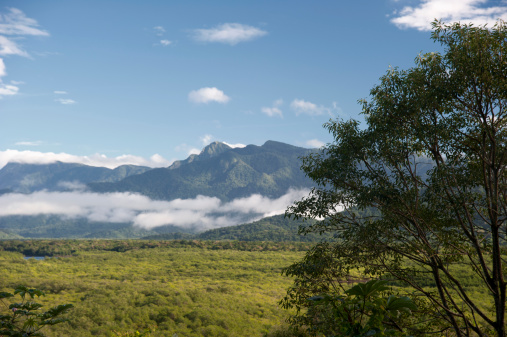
[
  {"x": 361, "y": 311},
  {"x": 419, "y": 193},
  {"x": 23, "y": 318}
]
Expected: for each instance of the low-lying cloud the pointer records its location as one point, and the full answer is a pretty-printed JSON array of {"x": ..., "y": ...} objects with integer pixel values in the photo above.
[
  {"x": 99, "y": 160},
  {"x": 200, "y": 213}
]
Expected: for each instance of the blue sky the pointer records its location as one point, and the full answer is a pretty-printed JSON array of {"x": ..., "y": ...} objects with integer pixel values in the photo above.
[{"x": 148, "y": 82}]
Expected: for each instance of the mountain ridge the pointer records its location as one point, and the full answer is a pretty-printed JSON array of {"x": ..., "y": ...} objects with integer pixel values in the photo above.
[
  {"x": 27, "y": 178},
  {"x": 221, "y": 171}
]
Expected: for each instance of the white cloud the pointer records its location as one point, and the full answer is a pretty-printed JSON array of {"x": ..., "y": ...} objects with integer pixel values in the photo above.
[
  {"x": 60, "y": 92},
  {"x": 301, "y": 106},
  {"x": 271, "y": 112},
  {"x": 9, "y": 47},
  {"x": 206, "y": 139},
  {"x": 159, "y": 30},
  {"x": 6, "y": 89},
  {"x": 314, "y": 143},
  {"x": 200, "y": 213},
  {"x": 65, "y": 101},
  {"x": 187, "y": 148},
  {"x": 274, "y": 110},
  {"x": 230, "y": 33},
  {"x": 2, "y": 68},
  {"x": 36, "y": 143},
  {"x": 237, "y": 145},
  {"x": 206, "y": 95},
  {"x": 15, "y": 23},
  {"x": 479, "y": 12},
  {"x": 100, "y": 160},
  {"x": 165, "y": 42}
]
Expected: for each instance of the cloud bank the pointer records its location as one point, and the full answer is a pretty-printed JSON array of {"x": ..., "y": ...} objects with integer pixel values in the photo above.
[
  {"x": 465, "y": 11},
  {"x": 228, "y": 33},
  {"x": 100, "y": 160},
  {"x": 200, "y": 213},
  {"x": 206, "y": 95}
]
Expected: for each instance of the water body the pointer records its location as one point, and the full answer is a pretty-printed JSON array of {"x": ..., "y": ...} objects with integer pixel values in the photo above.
[{"x": 35, "y": 257}]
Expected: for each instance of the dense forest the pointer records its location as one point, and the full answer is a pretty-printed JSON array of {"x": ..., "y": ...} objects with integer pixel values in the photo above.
[{"x": 188, "y": 288}]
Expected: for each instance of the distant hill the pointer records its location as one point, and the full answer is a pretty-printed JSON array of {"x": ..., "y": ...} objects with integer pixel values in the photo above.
[
  {"x": 223, "y": 172},
  {"x": 27, "y": 178},
  {"x": 56, "y": 227},
  {"x": 275, "y": 228}
]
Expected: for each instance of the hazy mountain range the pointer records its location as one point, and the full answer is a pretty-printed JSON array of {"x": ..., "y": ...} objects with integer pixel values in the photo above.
[
  {"x": 221, "y": 186},
  {"x": 27, "y": 178}
]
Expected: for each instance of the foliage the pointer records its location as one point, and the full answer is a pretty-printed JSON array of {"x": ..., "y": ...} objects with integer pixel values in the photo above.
[
  {"x": 360, "y": 311},
  {"x": 23, "y": 319},
  {"x": 67, "y": 248},
  {"x": 147, "y": 332},
  {"x": 276, "y": 228},
  {"x": 188, "y": 288},
  {"x": 423, "y": 187}
]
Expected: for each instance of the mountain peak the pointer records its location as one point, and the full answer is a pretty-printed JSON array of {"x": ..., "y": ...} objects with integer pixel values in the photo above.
[{"x": 214, "y": 149}]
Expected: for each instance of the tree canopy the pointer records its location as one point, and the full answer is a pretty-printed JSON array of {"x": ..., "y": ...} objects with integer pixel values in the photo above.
[{"x": 418, "y": 195}]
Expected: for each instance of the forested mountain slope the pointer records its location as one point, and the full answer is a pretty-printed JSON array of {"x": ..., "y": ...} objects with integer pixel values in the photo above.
[{"x": 223, "y": 172}]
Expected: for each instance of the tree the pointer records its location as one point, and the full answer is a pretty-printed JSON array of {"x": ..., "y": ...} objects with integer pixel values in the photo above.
[
  {"x": 419, "y": 193},
  {"x": 23, "y": 318}
]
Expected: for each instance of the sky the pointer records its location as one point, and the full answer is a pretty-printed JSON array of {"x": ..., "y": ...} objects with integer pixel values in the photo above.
[
  {"x": 148, "y": 82},
  {"x": 107, "y": 83}
]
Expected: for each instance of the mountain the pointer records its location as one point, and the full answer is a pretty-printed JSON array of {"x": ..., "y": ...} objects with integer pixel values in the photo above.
[
  {"x": 218, "y": 171},
  {"x": 27, "y": 178},
  {"x": 54, "y": 226},
  {"x": 221, "y": 171},
  {"x": 276, "y": 228}
]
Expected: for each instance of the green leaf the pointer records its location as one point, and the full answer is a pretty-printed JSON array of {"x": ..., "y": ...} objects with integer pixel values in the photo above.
[
  {"x": 367, "y": 289},
  {"x": 5, "y": 295},
  {"x": 400, "y": 304}
]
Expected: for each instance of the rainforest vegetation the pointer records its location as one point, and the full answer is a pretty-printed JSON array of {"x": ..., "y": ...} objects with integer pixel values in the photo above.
[{"x": 188, "y": 288}]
